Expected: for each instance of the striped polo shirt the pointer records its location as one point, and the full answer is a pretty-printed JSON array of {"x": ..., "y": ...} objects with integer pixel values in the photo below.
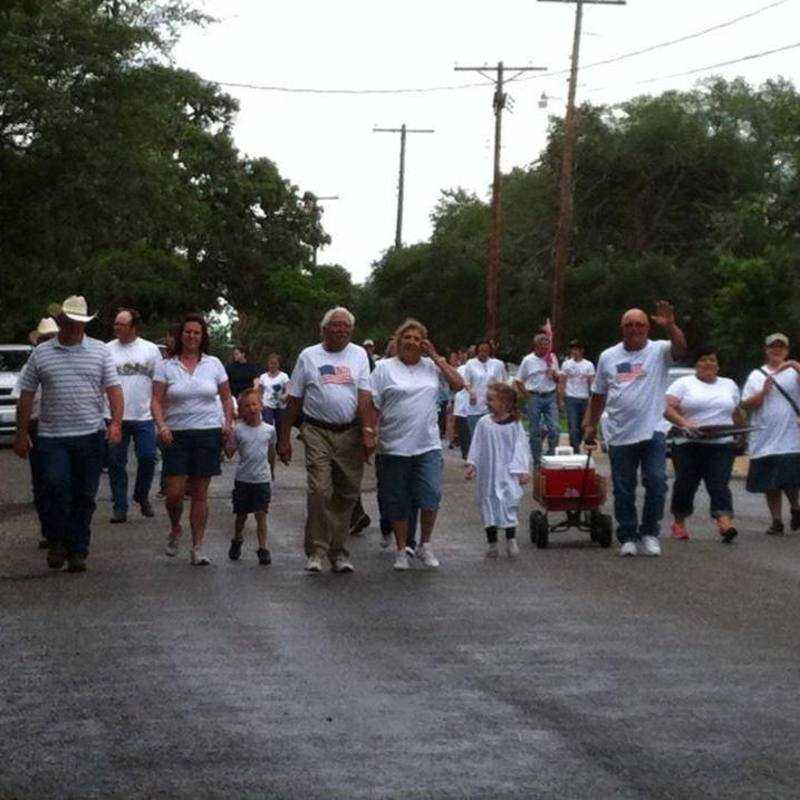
[{"x": 73, "y": 380}]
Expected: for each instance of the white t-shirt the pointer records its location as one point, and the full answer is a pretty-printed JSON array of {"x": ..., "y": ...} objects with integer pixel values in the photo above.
[
  {"x": 461, "y": 398},
  {"x": 579, "y": 376},
  {"x": 136, "y": 365},
  {"x": 272, "y": 389},
  {"x": 635, "y": 383},
  {"x": 780, "y": 431},
  {"x": 192, "y": 399},
  {"x": 329, "y": 382},
  {"x": 478, "y": 375},
  {"x": 534, "y": 373},
  {"x": 252, "y": 444},
  {"x": 706, "y": 403},
  {"x": 407, "y": 398}
]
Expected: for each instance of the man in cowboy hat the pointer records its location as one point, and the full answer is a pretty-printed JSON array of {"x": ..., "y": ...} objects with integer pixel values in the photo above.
[
  {"x": 45, "y": 330},
  {"x": 74, "y": 372}
]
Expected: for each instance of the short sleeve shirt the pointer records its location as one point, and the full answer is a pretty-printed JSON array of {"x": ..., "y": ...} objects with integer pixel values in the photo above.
[
  {"x": 780, "y": 431},
  {"x": 534, "y": 372},
  {"x": 406, "y": 396},
  {"x": 252, "y": 445},
  {"x": 578, "y": 376},
  {"x": 135, "y": 364},
  {"x": 329, "y": 382},
  {"x": 272, "y": 389},
  {"x": 706, "y": 403},
  {"x": 192, "y": 398},
  {"x": 73, "y": 380},
  {"x": 478, "y": 375},
  {"x": 634, "y": 383}
]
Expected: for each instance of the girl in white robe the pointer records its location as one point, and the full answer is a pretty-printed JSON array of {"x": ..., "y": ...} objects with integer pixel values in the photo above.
[{"x": 499, "y": 459}]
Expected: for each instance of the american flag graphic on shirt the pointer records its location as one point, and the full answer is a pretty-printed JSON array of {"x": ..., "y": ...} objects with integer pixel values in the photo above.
[
  {"x": 627, "y": 372},
  {"x": 336, "y": 375}
]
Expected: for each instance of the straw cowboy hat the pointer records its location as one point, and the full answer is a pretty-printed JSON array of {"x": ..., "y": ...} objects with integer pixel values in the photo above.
[
  {"x": 74, "y": 308},
  {"x": 46, "y": 327}
]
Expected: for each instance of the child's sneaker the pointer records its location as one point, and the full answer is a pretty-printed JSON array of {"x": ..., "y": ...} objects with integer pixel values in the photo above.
[
  {"x": 172, "y": 545},
  {"x": 198, "y": 558},
  {"x": 235, "y": 550},
  {"x": 263, "y": 554},
  {"x": 492, "y": 551},
  {"x": 512, "y": 548}
]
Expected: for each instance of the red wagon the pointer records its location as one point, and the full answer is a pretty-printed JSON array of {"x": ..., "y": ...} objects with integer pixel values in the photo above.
[{"x": 570, "y": 483}]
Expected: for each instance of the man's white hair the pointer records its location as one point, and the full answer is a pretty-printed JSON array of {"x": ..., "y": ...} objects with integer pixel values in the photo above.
[{"x": 329, "y": 315}]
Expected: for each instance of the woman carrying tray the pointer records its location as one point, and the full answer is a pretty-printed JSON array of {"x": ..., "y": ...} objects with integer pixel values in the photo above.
[{"x": 694, "y": 402}]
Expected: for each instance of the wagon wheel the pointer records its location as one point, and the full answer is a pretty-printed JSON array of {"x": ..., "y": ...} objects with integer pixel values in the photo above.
[
  {"x": 605, "y": 530},
  {"x": 540, "y": 529}
]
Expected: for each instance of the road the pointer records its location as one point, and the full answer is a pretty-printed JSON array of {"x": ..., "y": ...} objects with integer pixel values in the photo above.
[{"x": 567, "y": 673}]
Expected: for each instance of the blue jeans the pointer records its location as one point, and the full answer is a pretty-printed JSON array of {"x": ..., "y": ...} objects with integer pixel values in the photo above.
[
  {"x": 626, "y": 459},
  {"x": 71, "y": 469},
  {"x": 143, "y": 434},
  {"x": 576, "y": 408},
  {"x": 41, "y": 496},
  {"x": 542, "y": 406}
]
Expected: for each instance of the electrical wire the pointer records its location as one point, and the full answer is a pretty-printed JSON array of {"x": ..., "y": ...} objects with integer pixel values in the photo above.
[{"x": 462, "y": 86}]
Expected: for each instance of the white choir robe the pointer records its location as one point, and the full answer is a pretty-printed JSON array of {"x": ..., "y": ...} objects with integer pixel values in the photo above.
[{"x": 500, "y": 453}]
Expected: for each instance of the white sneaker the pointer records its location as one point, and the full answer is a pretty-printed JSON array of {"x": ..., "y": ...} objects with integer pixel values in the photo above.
[
  {"x": 412, "y": 553},
  {"x": 629, "y": 549},
  {"x": 512, "y": 548},
  {"x": 651, "y": 546},
  {"x": 172, "y": 545},
  {"x": 314, "y": 563},
  {"x": 342, "y": 564},
  {"x": 427, "y": 556},
  {"x": 492, "y": 551},
  {"x": 386, "y": 540},
  {"x": 401, "y": 560},
  {"x": 198, "y": 559}
]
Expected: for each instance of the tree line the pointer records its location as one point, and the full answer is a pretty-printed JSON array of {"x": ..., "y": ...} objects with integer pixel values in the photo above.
[{"x": 119, "y": 179}]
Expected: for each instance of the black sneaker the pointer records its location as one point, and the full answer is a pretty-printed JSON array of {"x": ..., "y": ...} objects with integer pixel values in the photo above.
[
  {"x": 729, "y": 535},
  {"x": 118, "y": 516},
  {"x": 76, "y": 563},
  {"x": 795, "y": 522},
  {"x": 263, "y": 556},
  {"x": 361, "y": 524},
  {"x": 56, "y": 555},
  {"x": 147, "y": 509},
  {"x": 235, "y": 550},
  {"x": 776, "y": 529}
]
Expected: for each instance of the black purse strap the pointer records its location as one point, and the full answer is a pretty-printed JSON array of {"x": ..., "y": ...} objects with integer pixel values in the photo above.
[{"x": 782, "y": 391}]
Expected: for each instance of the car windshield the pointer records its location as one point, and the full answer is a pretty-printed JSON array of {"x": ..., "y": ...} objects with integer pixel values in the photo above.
[{"x": 13, "y": 360}]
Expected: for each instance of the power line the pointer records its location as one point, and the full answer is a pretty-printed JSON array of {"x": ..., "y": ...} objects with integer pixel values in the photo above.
[{"x": 462, "y": 86}]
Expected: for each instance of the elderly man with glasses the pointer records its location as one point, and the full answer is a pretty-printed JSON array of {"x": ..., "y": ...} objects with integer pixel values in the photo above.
[
  {"x": 135, "y": 360},
  {"x": 630, "y": 385}
]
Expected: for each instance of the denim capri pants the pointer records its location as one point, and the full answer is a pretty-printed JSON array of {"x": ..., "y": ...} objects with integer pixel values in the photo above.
[{"x": 408, "y": 482}]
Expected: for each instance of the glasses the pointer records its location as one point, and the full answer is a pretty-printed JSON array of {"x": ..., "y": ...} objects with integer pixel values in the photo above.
[{"x": 122, "y": 324}]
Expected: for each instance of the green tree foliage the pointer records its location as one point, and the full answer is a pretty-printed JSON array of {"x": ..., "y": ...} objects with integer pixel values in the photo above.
[
  {"x": 691, "y": 196},
  {"x": 119, "y": 178}
]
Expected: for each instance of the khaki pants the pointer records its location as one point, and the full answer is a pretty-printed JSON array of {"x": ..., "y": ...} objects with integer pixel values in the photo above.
[{"x": 335, "y": 466}]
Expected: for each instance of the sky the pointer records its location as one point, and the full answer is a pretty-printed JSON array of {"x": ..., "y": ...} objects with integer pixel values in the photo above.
[{"x": 324, "y": 143}]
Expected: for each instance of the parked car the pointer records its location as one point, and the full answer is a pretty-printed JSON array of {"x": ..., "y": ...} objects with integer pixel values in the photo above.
[{"x": 12, "y": 360}]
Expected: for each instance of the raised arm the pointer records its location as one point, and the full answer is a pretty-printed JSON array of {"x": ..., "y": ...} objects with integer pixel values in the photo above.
[{"x": 665, "y": 316}]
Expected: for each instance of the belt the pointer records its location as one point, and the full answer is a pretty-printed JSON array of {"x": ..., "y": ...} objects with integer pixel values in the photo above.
[
  {"x": 543, "y": 394},
  {"x": 331, "y": 426}
]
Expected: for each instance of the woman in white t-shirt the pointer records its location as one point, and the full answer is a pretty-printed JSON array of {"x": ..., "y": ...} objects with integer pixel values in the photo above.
[
  {"x": 772, "y": 395},
  {"x": 188, "y": 390},
  {"x": 693, "y": 401},
  {"x": 405, "y": 392},
  {"x": 274, "y": 386}
]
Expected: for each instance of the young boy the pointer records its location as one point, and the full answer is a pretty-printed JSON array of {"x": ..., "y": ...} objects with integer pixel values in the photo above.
[{"x": 255, "y": 441}]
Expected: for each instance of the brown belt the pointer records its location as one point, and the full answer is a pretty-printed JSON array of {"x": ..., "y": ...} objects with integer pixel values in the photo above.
[{"x": 331, "y": 426}]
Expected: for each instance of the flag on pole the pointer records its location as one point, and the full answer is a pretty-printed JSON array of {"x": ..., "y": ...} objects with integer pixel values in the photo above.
[{"x": 547, "y": 329}]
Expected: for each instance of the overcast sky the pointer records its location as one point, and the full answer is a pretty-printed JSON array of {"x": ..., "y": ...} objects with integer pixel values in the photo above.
[{"x": 325, "y": 143}]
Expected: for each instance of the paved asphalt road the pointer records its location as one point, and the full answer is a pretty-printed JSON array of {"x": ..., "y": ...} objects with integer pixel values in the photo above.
[{"x": 568, "y": 673}]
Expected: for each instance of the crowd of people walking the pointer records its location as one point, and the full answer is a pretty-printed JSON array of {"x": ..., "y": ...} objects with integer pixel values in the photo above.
[{"x": 82, "y": 402}]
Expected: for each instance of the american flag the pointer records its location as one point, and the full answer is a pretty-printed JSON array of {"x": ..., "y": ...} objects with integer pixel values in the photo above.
[
  {"x": 338, "y": 375},
  {"x": 547, "y": 329},
  {"x": 627, "y": 372}
]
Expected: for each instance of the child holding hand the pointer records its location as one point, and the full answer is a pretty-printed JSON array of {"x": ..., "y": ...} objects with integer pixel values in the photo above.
[
  {"x": 499, "y": 458},
  {"x": 254, "y": 440}
]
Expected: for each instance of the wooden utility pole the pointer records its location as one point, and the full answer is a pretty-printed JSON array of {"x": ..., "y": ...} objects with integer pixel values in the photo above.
[
  {"x": 311, "y": 200},
  {"x": 401, "y": 180},
  {"x": 566, "y": 187},
  {"x": 499, "y": 102}
]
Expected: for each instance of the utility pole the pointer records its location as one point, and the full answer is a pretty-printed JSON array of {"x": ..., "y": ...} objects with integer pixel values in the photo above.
[
  {"x": 312, "y": 201},
  {"x": 566, "y": 187},
  {"x": 402, "y": 130},
  {"x": 499, "y": 102}
]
